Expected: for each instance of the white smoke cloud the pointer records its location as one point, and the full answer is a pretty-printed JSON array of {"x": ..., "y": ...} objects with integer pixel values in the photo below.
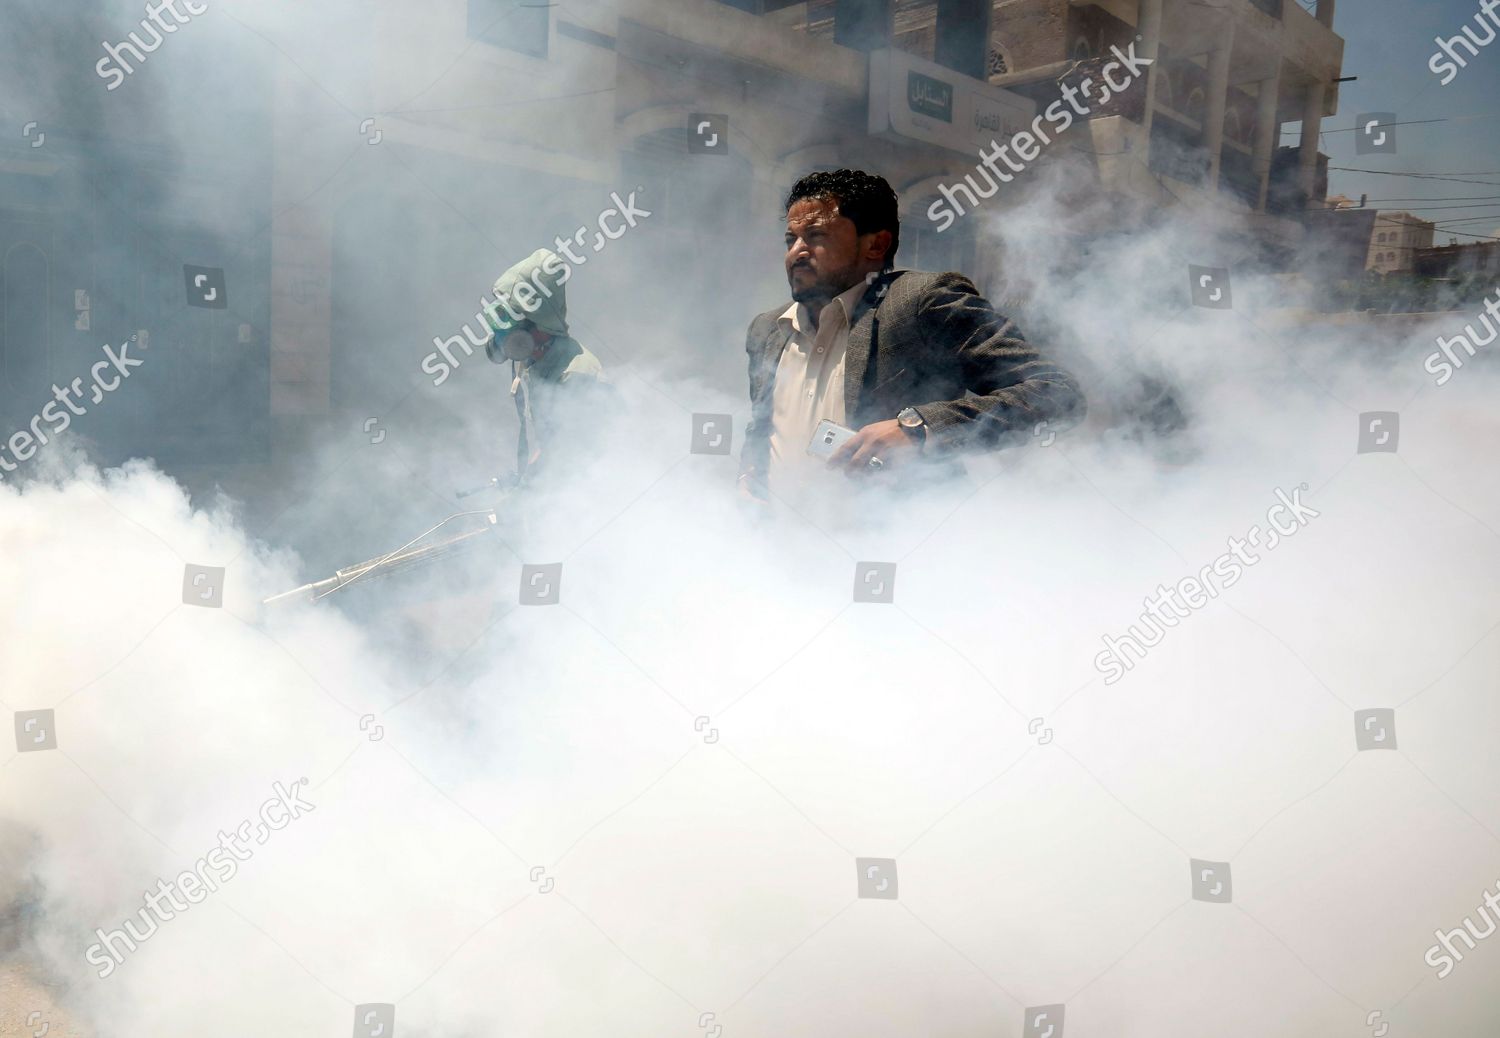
[{"x": 695, "y": 877}]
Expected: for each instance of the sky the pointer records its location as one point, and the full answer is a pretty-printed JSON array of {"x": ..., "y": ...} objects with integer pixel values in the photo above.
[{"x": 1388, "y": 44}]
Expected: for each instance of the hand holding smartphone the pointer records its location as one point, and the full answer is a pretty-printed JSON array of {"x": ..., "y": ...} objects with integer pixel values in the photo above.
[{"x": 828, "y": 437}]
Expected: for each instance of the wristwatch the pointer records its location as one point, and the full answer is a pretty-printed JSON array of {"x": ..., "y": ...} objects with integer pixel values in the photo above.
[{"x": 912, "y": 423}]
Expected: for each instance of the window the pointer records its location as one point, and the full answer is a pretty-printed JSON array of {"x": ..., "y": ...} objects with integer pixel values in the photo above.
[
  {"x": 518, "y": 25},
  {"x": 1380, "y": 237}
]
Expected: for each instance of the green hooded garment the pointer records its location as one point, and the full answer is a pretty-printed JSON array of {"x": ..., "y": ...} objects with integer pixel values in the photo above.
[{"x": 555, "y": 392}]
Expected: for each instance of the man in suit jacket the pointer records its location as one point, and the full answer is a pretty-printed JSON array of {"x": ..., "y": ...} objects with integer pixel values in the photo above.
[{"x": 918, "y": 363}]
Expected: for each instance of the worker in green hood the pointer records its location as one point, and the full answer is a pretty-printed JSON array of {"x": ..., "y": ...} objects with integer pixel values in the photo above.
[{"x": 555, "y": 382}]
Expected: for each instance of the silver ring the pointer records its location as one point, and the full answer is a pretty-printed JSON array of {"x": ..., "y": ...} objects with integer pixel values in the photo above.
[{"x": 876, "y": 463}]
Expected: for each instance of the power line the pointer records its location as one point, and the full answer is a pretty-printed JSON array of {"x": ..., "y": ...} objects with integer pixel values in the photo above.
[
  {"x": 1454, "y": 198},
  {"x": 1446, "y": 173},
  {"x": 1413, "y": 122},
  {"x": 1417, "y": 176},
  {"x": 1437, "y": 208},
  {"x": 1405, "y": 209},
  {"x": 1469, "y": 234}
]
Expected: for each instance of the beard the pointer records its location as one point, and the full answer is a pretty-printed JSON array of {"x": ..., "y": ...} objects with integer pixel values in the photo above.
[{"x": 823, "y": 288}]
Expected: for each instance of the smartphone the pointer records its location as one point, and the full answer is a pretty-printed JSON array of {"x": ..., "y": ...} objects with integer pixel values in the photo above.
[{"x": 827, "y": 438}]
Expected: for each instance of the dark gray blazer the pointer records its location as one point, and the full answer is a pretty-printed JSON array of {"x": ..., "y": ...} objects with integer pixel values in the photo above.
[{"x": 932, "y": 342}]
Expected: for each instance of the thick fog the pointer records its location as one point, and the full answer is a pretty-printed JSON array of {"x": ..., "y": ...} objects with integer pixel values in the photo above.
[{"x": 637, "y": 811}]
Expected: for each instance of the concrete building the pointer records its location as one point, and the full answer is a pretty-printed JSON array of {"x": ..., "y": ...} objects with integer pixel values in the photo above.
[
  {"x": 1228, "y": 76},
  {"x": 1453, "y": 261},
  {"x": 101, "y": 211},
  {"x": 1337, "y": 244},
  {"x": 818, "y": 84},
  {"x": 474, "y": 131},
  {"x": 1394, "y": 242}
]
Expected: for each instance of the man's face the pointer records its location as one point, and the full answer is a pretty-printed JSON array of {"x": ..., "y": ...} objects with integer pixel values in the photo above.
[
  {"x": 824, "y": 254},
  {"x": 524, "y": 342}
]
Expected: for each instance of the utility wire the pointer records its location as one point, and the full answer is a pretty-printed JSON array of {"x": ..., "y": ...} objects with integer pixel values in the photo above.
[
  {"x": 1438, "y": 208},
  {"x": 1469, "y": 234},
  {"x": 1427, "y": 173},
  {"x": 1455, "y": 198},
  {"x": 1416, "y": 176},
  {"x": 1414, "y": 122}
]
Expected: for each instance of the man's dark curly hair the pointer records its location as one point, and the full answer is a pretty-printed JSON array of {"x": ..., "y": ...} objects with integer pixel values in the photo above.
[{"x": 863, "y": 197}]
